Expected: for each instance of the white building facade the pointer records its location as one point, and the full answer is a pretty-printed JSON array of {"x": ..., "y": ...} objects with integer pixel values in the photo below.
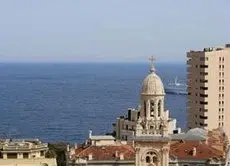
[{"x": 22, "y": 152}]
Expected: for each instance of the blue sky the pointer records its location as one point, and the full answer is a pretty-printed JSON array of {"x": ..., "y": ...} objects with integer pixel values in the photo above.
[{"x": 110, "y": 30}]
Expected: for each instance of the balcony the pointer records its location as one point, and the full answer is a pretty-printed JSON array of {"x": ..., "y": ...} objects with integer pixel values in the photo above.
[
  {"x": 203, "y": 95},
  {"x": 203, "y": 102},
  {"x": 203, "y": 81},
  {"x": 203, "y": 125},
  {"x": 203, "y": 110},
  {"x": 204, "y": 73},
  {"x": 203, "y": 66},
  {"x": 203, "y": 117},
  {"x": 203, "y": 88}
]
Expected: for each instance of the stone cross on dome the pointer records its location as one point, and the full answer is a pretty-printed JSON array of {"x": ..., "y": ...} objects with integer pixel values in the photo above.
[{"x": 152, "y": 59}]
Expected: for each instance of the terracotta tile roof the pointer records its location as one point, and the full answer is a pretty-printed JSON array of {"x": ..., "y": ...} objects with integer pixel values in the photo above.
[
  {"x": 217, "y": 139},
  {"x": 106, "y": 152},
  {"x": 184, "y": 150}
]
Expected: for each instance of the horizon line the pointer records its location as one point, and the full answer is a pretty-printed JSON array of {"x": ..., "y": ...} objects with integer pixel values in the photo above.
[{"x": 156, "y": 62}]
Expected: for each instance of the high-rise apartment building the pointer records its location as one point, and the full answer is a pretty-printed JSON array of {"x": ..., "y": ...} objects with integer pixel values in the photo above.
[{"x": 208, "y": 75}]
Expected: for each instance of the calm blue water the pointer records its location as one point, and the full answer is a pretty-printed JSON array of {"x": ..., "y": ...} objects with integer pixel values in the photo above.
[{"x": 61, "y": 102}]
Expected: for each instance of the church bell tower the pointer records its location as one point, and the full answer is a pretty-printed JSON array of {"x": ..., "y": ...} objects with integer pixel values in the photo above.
[{"x": 151, "y": 136}]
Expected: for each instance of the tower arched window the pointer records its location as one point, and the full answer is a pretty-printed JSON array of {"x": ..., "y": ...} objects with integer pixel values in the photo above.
[
  {"x": 145, "y": 110},
  {"x": 159, "y": 108},
  {"x": 152, "y": 105},
  {"x": 147, "y": 159},
  {"x": 154, "y": 159},
  {"x": 151, "y": 157},
  {"x": 145, "y": 107}
]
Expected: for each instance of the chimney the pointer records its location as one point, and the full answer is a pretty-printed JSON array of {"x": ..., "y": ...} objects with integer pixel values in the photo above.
[
  {"x": 194, "y": 151},
  {"x": 67, "y": 148},
  {"x": 75, "y": 146},
  {"x": 90, "y": 157},
  {"x": 90, "y": 133},
  {"x": 179, "y": 130},
  {"x": 121, "y": 156},
  {"x": 116, "y": 153}
]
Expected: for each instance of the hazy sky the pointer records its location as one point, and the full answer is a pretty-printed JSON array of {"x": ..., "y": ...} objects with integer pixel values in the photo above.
[{"x": 110, "y": 30}]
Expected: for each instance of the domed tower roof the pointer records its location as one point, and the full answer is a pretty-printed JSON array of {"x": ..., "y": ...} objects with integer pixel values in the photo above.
[{"x": 152, "y": 84}]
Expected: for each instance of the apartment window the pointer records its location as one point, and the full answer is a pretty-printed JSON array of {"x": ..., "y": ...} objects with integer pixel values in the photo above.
[
  {"x": 222, "y": 110},
  {"x": 222, "y": 95},
  {"x": 202, "y": 59},
  {"x": 223, "y": 59},
  {"x": 222, "y": 102},
  {"x": 222, "y": 117},
  {"x": 219, "y": 66},
  {"x": 219, "y": 124},
  {"x": 222, "y": 73},
  {"x": 219, "y": 117},
  {"x": 219, "y": 110},
  {"x": 222, "y": 66},
  {"x": 222, "y": 124},
  {"x": 222, "y": 88},
  {"x": 219, "y": 58},
  {"x": 219, "y": 74}
]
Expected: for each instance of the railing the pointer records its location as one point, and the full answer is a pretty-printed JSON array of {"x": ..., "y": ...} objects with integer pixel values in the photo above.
[{"x": 24, "y": 147}]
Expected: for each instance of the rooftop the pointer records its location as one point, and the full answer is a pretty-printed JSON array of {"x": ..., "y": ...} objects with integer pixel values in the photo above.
[
  {"x": 210, "y": 49},
  {"x": 195, "y": 150},
  {"x": 21, "y": 144},
  {"x": 102, "y": 137},
  {"x": 106, "y": 152}
]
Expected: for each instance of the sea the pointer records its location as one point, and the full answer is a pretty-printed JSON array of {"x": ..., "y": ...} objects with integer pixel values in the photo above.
[{"x": 61, "y": 102}]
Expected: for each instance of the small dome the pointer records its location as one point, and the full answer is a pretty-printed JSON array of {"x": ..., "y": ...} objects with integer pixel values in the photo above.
[{"x": 152, "y": 85}]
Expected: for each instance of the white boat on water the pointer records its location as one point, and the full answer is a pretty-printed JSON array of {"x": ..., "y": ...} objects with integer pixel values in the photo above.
[{"x": 176, "y": 88}]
